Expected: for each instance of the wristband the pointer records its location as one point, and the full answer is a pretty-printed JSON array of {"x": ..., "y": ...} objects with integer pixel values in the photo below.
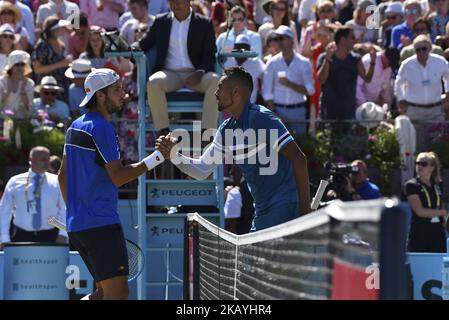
[{"x": 153, "y": 160}]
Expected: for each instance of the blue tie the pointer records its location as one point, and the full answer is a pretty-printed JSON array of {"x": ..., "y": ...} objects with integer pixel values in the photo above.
[{"x": 37, "y": 197}]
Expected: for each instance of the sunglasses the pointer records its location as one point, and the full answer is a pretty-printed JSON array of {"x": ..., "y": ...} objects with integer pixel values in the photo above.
[
  {"x": 422, "y": 163},
  {"x": 423, "y": 49},
  {"x": 278, "y": 8},
  {"x": 140, "y": 30},
  {"x": 20, "y": 64},
  {"x": 411, "y": 11},
  {"x": 50, "y": 93},
  {"x": 278, "y": 38},
  {"x": 329, "y": 10},
  {"x": 238, "y": 20},
  {"x": 7, "y": 36},
  {"x": 393, "y": 17}
]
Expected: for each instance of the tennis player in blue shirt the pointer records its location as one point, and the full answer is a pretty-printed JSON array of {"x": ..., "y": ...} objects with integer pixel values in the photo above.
[
  {"x": 90, "y": 173},
  {"x": 271, "y": 162}
]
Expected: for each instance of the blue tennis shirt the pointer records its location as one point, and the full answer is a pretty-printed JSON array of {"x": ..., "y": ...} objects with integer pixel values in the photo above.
[
  {"x": 254, "y": 154},
  {"x": 90, "y": 143}
]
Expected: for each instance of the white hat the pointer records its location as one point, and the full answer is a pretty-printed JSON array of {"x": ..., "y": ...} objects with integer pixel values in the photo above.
[
  {"x": 9, "y": 29},
  {"x": 79, "y": 68},
  {"x": 60, "y": 24},
  {"x": 97, "y": 80},
  {"x": 19, "y": 56},
  {"x": 394, "y": 7},
  {"x": 242, "y": 39},
  {"x": 284, "y": 31},
  {"x": 369, "y": 112},
  {"x": 49, "y": 83}
]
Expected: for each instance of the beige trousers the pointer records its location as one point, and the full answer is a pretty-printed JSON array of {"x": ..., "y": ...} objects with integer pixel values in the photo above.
[{"x": 165, "y": 81}]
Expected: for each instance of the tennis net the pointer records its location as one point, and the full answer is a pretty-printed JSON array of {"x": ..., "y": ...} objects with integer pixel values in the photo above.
[{"x": 333, "y": 253}]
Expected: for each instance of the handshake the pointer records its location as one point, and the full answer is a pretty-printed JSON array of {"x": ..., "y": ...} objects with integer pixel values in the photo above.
[{"x": 165, "y": 149}]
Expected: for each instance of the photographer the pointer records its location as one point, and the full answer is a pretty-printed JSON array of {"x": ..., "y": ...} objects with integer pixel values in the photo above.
[{"x": 351, "y": 183}]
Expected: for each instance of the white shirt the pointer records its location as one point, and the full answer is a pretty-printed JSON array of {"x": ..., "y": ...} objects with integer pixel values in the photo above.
[
  {"x": 178, "y": 56},
  {"x": 255, "y": 67},
  {"x": 14, "y": 203},
  {"x": 66, "y": 8},
  {"x": 418, "y": 84},
  {"x": 233, "y": 205},
  {"x": 227, "y": 46},
  {"x": 299, "y": 71}
]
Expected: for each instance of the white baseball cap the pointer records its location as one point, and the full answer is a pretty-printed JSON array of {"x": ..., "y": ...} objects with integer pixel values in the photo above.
[
  {"x": 97, "y": 80},
  {"x": 284, "y": 31},
  {"x": 242, "y": 39}
]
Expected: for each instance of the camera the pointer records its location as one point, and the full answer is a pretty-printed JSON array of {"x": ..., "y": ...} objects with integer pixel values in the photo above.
[{"x": 339, "y": 177}]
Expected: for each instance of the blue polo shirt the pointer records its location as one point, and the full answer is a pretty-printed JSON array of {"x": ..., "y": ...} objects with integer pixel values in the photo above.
[
  {"x": 369, "y": 191},
  {"x": 90, "y": 143},
  {"x": 270, "y": 187}
]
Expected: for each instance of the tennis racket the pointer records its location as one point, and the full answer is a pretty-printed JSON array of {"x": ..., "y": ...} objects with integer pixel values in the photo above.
[{"x": 136, "y": 257}]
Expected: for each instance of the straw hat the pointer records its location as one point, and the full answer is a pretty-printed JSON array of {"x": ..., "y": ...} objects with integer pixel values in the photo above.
[
  {"x": 49, "y": 83},
  {"x": 371, "y": 113},
  {"x": 7, "y": 6}
]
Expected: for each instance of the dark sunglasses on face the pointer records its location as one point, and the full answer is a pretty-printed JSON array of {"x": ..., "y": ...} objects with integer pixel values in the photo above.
[
  {"x": 237, "y": 20},
  {"x": 328, "y": 10},
  {"x": 274, "y": 8},
  {"x": 419, "y": 49},
  {"x": 8, "y": 36},
  {"x": 279, "y": 38},
  {"x": 50, "y": 93},
  {"x": 422, "y": 163},
  {"x": 20, "y": 64},
  {"x": 140, "y": 30}
]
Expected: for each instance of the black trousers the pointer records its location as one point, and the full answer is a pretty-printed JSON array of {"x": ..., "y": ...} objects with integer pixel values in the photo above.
[{"x": 20, "y": 235}]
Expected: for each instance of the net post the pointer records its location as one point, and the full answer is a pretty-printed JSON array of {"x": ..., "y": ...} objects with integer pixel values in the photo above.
[
  {"x": 186, "y": 269},
  {"x": 195, "y": 261},
  {"x": 393, "y": 239}
]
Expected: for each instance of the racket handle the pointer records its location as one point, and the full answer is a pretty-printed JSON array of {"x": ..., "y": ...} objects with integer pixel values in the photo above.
[{"x": 56, "y": 223}]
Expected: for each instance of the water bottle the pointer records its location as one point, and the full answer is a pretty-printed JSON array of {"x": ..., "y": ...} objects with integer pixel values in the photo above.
[{"x": 445, "y": 284}]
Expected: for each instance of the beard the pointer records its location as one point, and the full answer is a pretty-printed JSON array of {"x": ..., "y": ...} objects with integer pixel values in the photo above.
[{"x": 112, "y": 108}]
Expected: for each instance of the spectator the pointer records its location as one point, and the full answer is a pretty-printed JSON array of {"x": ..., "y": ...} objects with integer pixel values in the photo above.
[
  {"x": 359, "y": 23},
  {"x": 326, "y": 13},
  {"x": 27, "y": 19},
  {"x": 155, "y": 7},
  {"x": 322, "y": 34},
  {"x": 77, "y": 72},
  {"x": 140, "y": 31},
  {"x": 278, "y": 10},
  {"x": 288, "y": 80},
  {"x": 31, "y": 198},
  {"x": 393, "y": 17},
  {"x": 439, "y": 18},
  {"x": 369, "y": 115},
  {"x": 50, "y": 57},
  {"x": 55, "y": 164},
  {"x": 103, "y": 13},
  {"x": 273, "y": 47},
  {"x": 140, "y": 14},
  {"x": 95, "y": 53},
  {"x": 218, "y": 15},
  {"x": 254, "y": 66},
  {"x": 185, "y": 56},
  {"x": 338, "y": 69},
  {"x": 16, "y": 90},
  {"x": 58, "y": 111},
  {"x": 225, "y": 41},
  {"x": 10, "y": 14},
  {"x": 424, "y": 194},
  {"x": 418, "y": 83},
  {"x": 361, "y": 187},
  {"x": 78, "y": 37},
  {"x": 379, "y": 89},
  {"x": 7, "y": 43},
  {"x": 401, "y": 35},
  {"x": 62, "y": 9},
  {"x": 421, "y": 26}
]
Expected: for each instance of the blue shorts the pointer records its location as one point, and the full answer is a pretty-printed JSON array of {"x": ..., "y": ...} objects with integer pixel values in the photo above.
[
  {"x": 274, "y": 216},
  {"x": 103, "y": 250}
]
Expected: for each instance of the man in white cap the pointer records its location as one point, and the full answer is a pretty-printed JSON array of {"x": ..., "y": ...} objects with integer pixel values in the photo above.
[
  {"x": 254, "y": 66},
  {"x": 90, "y": 173},
  {"x": 77, "y": 72},
  {"x": 288, "y": 80}
]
